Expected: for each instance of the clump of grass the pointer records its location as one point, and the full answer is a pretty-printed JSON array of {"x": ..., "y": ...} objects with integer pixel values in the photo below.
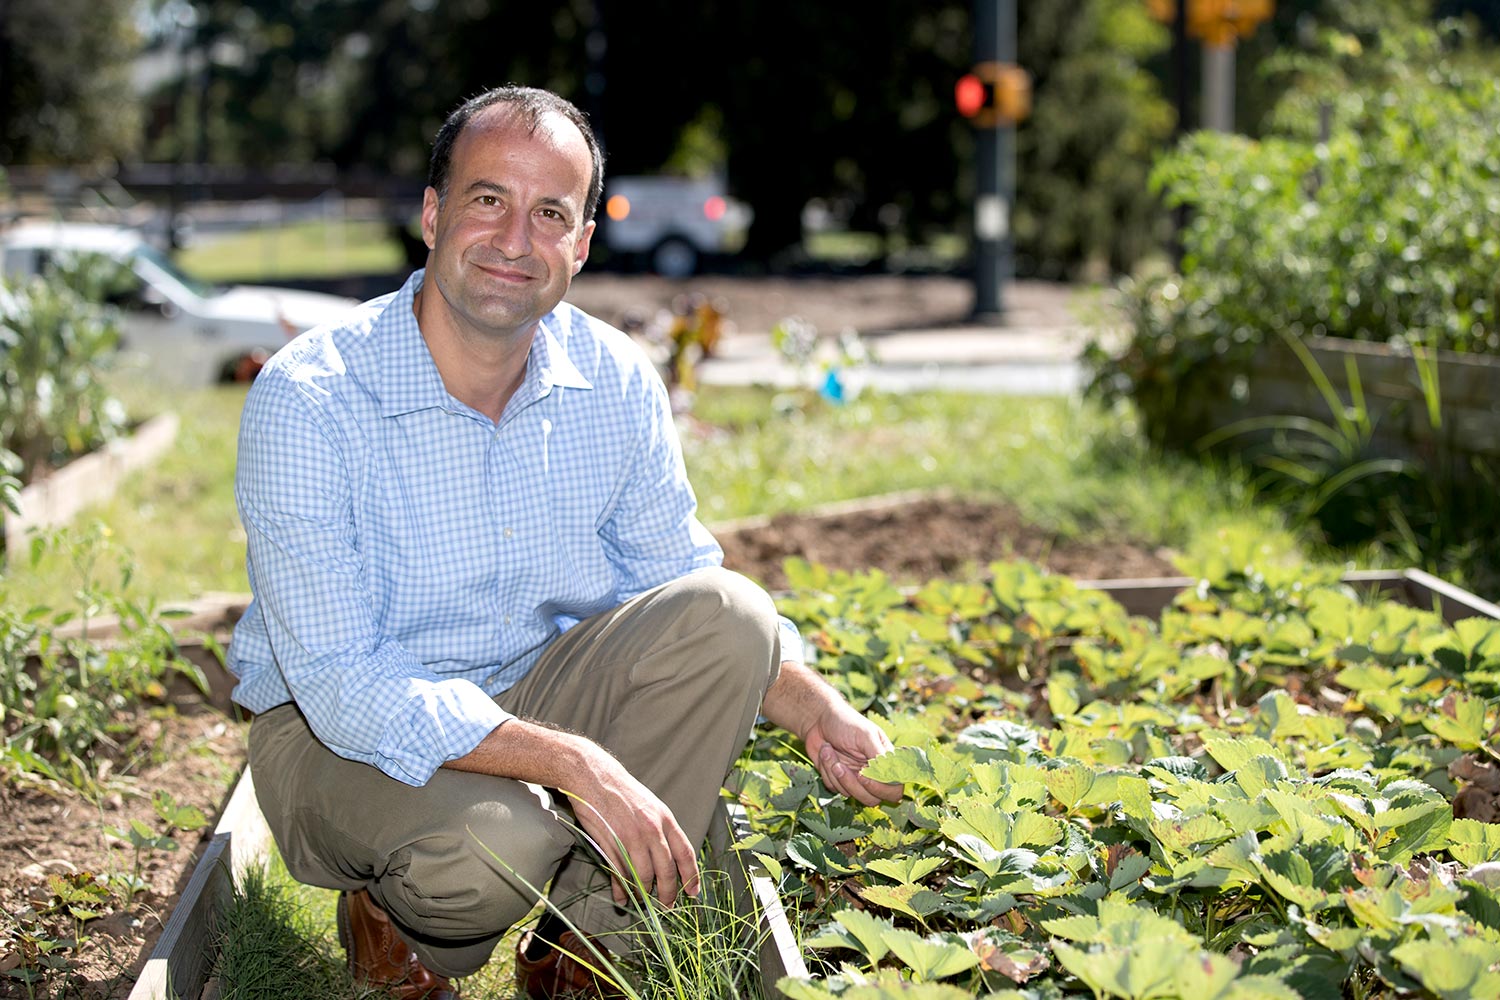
[{"x": 274, "y": 943}]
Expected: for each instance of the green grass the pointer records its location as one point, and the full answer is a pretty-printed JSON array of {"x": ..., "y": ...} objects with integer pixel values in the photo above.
[
  {"x": 1069, "y": 467},
  {"x": 298, "y": 250},
  {"x": 279, "y": 940}
]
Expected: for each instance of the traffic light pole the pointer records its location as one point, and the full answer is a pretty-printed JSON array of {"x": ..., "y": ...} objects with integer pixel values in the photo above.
[{"x": 994, "y": 267}]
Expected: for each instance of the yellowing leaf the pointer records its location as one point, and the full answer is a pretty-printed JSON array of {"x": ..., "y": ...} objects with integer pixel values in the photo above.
[
  {"x": 1069, "y": 784},
  {"x": 1472, "y": 842},
  {"x": 912, "y": 900}
]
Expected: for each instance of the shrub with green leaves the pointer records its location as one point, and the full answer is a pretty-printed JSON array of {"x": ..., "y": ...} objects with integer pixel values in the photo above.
[
  {"x": 55, "y": 340},
  {"x": 1379, "y": 233},
  {"x": 1249, "y": 798}
]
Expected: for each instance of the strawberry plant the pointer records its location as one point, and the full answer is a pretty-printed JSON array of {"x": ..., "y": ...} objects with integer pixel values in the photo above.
[{"x": 1253, "y": 796}]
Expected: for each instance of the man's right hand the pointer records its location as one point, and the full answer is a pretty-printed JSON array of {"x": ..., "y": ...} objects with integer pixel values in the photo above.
[{"x": 631, "y": 827}]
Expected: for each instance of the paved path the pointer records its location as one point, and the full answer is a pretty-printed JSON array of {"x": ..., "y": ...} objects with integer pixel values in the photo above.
[{"x": 1033, "y": 350}]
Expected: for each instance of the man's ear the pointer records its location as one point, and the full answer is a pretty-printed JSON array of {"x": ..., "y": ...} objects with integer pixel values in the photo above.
[
  {"x": 581, "y": 251},
  {"x": 429, "y": 217}
]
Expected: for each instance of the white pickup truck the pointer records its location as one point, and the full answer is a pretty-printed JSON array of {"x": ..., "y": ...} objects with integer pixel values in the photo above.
[
  {"x": 673, "y": 223},
  {"x": 187, "y": 331}
]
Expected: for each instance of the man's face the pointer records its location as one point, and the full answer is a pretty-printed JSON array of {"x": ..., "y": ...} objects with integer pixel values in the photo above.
[{"x": 509, "y": 235}]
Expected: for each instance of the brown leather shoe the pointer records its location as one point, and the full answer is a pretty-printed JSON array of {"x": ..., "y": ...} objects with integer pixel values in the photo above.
[
  {"x": 547, "y": 971},
  {"x": 379, "y": 958}
]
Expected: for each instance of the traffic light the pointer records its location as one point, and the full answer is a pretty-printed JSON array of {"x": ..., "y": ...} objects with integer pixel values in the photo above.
[{"x": 993, "y": 95}]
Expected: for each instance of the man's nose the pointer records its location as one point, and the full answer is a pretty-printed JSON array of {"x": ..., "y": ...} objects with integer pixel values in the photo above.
[{"x": 513, "y": 235}]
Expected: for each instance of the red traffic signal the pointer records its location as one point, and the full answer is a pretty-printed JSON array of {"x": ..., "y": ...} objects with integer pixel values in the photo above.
[
  {"x": 971, "y": 94},
  {"x": 994, "y": 94}
]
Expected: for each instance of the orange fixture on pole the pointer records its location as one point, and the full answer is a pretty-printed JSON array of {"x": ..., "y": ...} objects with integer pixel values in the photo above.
[
  {"x": 1216, "y": 22},
  {"x": 994, "y": 95}
]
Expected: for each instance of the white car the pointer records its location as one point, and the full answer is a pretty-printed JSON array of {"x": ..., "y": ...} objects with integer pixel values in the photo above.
[
  {"x": 186, "y": 330},
  {"x": 672, "y": 222}
]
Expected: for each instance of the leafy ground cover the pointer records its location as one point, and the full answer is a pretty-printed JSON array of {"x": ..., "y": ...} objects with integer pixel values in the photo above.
[{"x": 1282, "y": 788}]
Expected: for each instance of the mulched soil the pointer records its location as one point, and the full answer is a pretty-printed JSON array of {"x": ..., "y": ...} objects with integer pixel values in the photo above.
[
  {"x": 191, "y": 751},
  {"x": 914, "y": 539}
]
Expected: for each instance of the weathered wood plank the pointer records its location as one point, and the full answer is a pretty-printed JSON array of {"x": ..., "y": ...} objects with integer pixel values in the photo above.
[{"x": 183, "y": 957}]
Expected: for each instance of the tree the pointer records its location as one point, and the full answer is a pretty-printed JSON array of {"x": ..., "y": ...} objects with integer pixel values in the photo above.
[{"x": 64, "y": 81}]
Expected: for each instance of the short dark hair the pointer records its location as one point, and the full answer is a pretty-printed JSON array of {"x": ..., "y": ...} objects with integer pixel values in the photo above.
[{"x": 531, "y": 103}]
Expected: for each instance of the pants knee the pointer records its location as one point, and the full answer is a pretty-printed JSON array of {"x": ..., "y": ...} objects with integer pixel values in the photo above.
[
  {"x": 743, "y": 622},
  {"x": 478, "y": 876}
]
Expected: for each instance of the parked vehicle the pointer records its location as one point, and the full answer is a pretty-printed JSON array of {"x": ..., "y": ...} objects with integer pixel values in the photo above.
[
  {"x": 186, "y": 330},
  {"x": 672, "y": 223}
]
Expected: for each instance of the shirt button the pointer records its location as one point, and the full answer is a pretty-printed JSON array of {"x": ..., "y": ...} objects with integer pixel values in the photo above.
[
  {"x": 509, "y": 532},
  {"x": 507, "y": 619}
]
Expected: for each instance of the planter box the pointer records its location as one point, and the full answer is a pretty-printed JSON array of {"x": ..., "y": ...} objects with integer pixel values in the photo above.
[
  {"x": 182, "y": 961},
  {"x": 56, "y": 500},
  {"x": 1278, "y": 384}
]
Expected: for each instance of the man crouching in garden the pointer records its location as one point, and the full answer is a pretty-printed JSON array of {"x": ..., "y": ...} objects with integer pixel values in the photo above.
[{"x": 485, "y": 615}]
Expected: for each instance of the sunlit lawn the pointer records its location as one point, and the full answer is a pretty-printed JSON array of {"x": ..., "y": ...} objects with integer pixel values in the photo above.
[
  {"x": 1068, "y": 466},
  {"x": 298, "y": 250}
]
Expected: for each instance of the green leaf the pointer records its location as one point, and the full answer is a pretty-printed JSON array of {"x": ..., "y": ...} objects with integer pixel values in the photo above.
[
  {"x": 913, "y": 900},
  {"x": 810, "y": 852},
  {"x": 936, "y": 770},
  {"x": 1290, "y": 875},
  {"x": 832, "y": 834},
  {"x": 1118, "y": 922},
  {"x": 1178, "y": 837},
  {"x": 1233, "y": 753},
  {"x": 803, "y": 989},
  {"x": 930, "y": 958},
  {"x": 1143, "y": 970},
  {"x": 869, "y": 930},
  {"x": 1237, "y": 856},
  {"x": 1453, "y": 970},
  {"x": 1460, "y": 719},
  {"x": 1069, "y": 784},
  {"x": 1472, "y": 842},
  {"x": 905, "y": 870}
]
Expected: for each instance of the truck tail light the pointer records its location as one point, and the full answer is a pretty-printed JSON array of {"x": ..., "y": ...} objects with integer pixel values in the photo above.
[
  {"x": 714, "y": 208},
  {"x": 617, "y": 207}
]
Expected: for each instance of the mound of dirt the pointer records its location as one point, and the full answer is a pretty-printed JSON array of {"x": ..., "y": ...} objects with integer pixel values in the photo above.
[{"x": 916, "y": 538}]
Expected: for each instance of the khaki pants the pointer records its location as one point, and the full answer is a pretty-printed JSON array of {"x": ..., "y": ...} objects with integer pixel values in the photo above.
[{"x": 670, "y": 682}]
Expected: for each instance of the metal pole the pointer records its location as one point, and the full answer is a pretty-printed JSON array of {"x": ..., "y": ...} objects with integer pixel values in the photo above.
[
  {"x": 995, "y": 156},
  {"x": 1218, "y": 86},
  {"x": 1180, "y": 94}
]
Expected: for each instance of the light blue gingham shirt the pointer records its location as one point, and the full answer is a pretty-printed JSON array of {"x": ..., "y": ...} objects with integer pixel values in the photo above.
[{"x": 410, "y": 559}]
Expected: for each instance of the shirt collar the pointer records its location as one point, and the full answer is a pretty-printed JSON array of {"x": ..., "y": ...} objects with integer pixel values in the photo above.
[{"x": 409, "y": 378}]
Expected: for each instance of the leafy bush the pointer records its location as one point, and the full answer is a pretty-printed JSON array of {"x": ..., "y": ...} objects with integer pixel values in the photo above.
[
  {"x": 1378, "y": 233},
  {"x": 55, "y": 341}
]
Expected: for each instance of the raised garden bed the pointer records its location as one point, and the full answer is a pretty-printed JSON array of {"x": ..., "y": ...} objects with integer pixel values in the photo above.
[
  {"x": 181, "y": 954},
  {"x": 1277, "y": 383}
]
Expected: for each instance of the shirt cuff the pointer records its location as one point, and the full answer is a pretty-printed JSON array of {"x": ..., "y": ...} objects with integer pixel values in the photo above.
[
  {"x": 438, "y": 721},
  {"x": 791, "y": 641}
]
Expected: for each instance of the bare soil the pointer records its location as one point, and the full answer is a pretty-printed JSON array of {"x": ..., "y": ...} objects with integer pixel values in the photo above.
[{"x": 915, "y": 539}]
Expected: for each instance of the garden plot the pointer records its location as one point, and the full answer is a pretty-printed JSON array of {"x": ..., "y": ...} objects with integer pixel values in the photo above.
[{"x": 1280, "y": 788}]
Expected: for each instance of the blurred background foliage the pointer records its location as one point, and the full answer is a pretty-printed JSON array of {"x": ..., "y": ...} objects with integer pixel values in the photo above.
[{"x": 794, "y": 102}]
